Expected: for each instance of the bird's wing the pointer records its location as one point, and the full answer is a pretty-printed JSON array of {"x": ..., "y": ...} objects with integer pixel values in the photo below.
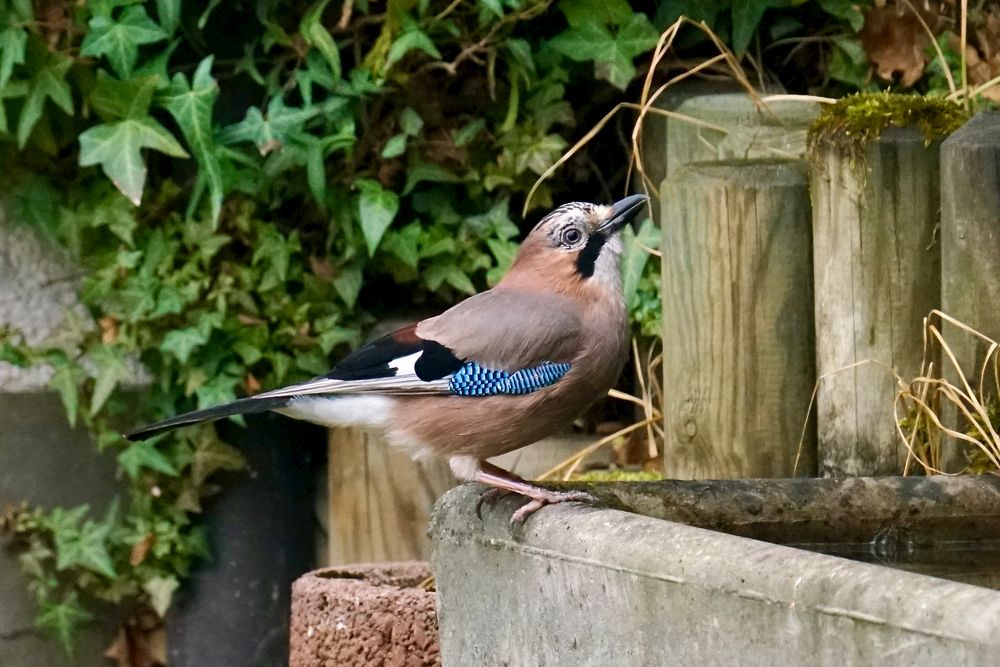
[
  {"x": 399, "y": 362},
  {"x": 497, "y": 342},
  {"x": 509, "y": 330},
  {"x": 489, "y": 337}
]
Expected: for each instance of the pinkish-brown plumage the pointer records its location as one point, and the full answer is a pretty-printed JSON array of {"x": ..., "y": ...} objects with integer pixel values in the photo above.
[{"x": 561, "y": 302}]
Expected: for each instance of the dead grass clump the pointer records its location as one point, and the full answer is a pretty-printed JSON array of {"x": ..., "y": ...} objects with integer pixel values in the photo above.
[{"x": 941, "y": 409}]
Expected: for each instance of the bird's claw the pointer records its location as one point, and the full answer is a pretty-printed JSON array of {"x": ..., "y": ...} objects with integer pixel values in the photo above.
[
  {"x": 489, "y": 496},
  {"x": 545, "y": 497}
]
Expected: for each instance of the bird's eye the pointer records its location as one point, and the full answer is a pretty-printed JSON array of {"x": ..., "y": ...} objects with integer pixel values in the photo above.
[{"x": 571, "y": 236}]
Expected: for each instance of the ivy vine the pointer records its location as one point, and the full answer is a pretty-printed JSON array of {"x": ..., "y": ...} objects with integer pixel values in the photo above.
[
  {"x": 247, "y": 185},
  {"x": 241, "y": 182}
]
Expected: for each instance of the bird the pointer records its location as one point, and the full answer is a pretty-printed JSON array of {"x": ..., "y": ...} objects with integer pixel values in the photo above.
[{"x": 498, "y": 371}]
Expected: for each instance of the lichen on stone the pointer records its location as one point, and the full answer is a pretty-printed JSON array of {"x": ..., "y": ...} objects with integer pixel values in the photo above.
[{"x": 859, "y": 119}]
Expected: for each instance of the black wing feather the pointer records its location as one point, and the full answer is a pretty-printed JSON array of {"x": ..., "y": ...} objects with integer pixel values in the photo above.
[{"x": 372, "y": 360}]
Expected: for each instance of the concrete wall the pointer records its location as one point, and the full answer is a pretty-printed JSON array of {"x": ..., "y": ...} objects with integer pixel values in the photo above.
[
  {"x": 38, "y": 287},
  {"x": 42, "y": 460},
  {"x": 589, "y": 586}
]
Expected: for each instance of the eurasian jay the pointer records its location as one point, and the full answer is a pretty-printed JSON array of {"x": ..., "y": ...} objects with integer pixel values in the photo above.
[{"x": 496, "y": 372}]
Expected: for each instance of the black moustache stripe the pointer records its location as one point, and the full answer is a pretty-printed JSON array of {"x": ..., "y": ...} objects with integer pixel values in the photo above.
[{"x": 587, "y": 259}]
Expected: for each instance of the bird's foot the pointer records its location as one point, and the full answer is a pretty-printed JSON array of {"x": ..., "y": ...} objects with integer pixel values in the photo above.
[
  {"x": 490, "y": 496},
  {"x": 503, "y": 482},
  {"x": 540, "y": 497}
]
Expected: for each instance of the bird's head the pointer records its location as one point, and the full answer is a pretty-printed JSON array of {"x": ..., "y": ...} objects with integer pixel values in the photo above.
[{"x": 577, "y": 243}]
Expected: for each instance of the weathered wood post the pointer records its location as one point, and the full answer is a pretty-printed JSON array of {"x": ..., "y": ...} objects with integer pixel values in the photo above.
[
  {"x": 877, "y": 275},
  {"x": 737, "y": 312},
  {"x": 970, "y": 236},
  {"x": 777, "y": 131},
  {"x": 379, "y": 499}
]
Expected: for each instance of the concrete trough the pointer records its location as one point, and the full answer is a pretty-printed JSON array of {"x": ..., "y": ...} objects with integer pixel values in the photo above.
[{"x": 595, "y": 586}]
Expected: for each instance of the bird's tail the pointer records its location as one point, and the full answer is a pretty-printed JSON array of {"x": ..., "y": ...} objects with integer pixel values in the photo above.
[{"x": 243, "y": 406}]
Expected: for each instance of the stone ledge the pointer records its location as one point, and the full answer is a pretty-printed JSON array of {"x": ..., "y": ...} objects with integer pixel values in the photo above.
[{"x": 591, "y": 586}]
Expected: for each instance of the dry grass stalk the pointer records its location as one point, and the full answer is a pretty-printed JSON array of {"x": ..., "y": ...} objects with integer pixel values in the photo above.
[
  {"x": 649, "y": 385},
  {"x": 922, "y": 405}
]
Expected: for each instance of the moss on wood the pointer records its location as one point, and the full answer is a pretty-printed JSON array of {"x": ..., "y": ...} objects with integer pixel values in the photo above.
[{"x": 859, "y": 119}]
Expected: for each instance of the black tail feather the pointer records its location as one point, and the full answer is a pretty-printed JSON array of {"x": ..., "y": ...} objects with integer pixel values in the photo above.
[{"x": 244, "y": 406}]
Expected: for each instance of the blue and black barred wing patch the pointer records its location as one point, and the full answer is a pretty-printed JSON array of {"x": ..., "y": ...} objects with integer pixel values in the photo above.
[{"x": 475, "y": 380}]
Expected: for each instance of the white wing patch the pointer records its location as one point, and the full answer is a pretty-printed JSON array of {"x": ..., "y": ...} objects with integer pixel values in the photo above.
[
  {"x": 369, "y": 410},
  {"x": 406, "y": 366}
]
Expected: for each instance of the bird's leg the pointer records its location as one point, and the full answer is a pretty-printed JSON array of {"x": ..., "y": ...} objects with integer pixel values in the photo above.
[{"x": 502, "y": 480}]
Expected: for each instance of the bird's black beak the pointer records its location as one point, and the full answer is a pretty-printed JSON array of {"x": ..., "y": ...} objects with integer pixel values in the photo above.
[{"x": 622, "y": 212}]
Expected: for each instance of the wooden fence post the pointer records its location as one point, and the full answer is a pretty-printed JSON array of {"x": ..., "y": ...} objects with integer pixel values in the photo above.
[
  {"x": 737, "y": 315},
  {"x": 775, "y": 132},
  {"x": 970, "y": 236},
  {"x": 379, "y": 499},
  {"x": 877, "y": 275}
]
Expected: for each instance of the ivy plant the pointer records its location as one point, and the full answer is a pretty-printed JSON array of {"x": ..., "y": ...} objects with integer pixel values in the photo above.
[
  {"x": 239, "y": 182},
  {"x": 248, "y": 185}
]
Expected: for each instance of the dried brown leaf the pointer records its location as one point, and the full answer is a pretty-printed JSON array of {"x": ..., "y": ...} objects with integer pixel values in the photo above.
[
  {"x": 321, "y": 268},
  {"x": 109, "y": 329},
  {"x": 895, "y": 42},
  {"x": 141, "y": 549}
]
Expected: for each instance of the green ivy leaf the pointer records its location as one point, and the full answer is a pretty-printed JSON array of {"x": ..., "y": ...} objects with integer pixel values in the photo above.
[
  {"x": 458, "y": 279},
  {"x": 412, "y": 39},
  {"x": 464, "y": 135},
  {"x": 410, "y": 122},
  {"x": 181, "y": 342},
  {"x": 10, "y": 91},
  {"x": 116, "y": 147},
  {"x": 845, "y": 9},
  {"x": 13, "y": 42},
  {"x": 495, "y": 7},
  {"x": 169, "y": 13},
  {"x": 161, "y": 593},
  {"x": 580, "y": 12},
  {"x": 403, "y": 244},
  {"x": 504, "y": 252},
  {"x": 584, "y": 42},
  {"x": 612, "y": 54},
  {"x": 634, "y": 257},
  {"x": 312, "y": 362},
  {"x": 139, "y": 455},
  {"x": 220, "y": 389},
  {"x": 119, "y": 41},
  {"x": 63, "y": 619},
  {"x": 348, "y": 282},
  {"x": 317, "y": 36},
  {"x": 269, "y": 132},
  {"x": 420, "y": 171},
  {"x": 395, "y": 147},
  {"x": 849, "y": 63},
  {"x": 156, "y": 66},
  {"x": 274, "y": 252},
  {"x": 191, "y": 106},
  {"x": 111, "y": 369},
  {"x": 48, "y": 82},
  {"x": 437, "y": 274},
  {"x": 87, "y": 549},
  {"x": 376, "y": 209},
  {"x": 746, "y": 17},
  {"x": 65, "y": 381},
  {"x": 212, "y": 455},
  {"x": 114, "y": 100}
]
